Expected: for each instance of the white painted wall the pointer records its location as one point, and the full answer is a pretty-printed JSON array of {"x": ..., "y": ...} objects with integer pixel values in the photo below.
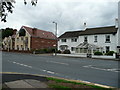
[
  {"x": 69, "y": 43},
  {"x": 100, "y": 42},
  {"x": 101, "y": 38}
]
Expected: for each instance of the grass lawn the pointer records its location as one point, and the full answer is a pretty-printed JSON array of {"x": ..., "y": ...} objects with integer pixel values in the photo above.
[{"x": 70, "y": 85}]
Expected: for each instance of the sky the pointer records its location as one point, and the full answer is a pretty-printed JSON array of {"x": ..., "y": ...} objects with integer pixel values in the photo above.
[{"x": 70, "y": 15}]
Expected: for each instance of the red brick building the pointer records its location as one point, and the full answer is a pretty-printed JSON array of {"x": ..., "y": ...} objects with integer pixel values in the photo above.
[{"x": 32, "y": 38}]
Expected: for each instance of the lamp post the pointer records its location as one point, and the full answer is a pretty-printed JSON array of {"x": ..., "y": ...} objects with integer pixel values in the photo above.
[{"x": 56, "y": 36}]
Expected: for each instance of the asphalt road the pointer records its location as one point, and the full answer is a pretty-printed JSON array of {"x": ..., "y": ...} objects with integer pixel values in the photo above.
[{"x": 96, "y": 71}]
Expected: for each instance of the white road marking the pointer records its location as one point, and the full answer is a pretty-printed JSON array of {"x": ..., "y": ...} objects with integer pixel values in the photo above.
[
  {"x": 87, "y": 66},
  {"x": 50, "y": 72},
  {"x": 58, "y": 62},
  {"x": 44, "y": 70},
  {"x": 22, "y": 64},
  {"x": 90, "y": 66},
  {"x": 31, "y": 67}
]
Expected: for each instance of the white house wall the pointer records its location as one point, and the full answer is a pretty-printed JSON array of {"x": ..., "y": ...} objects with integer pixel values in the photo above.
[
  {"x": 101, "y": 41},
  {"x": 68, "y": 43},
  {"x": 101, "y": 38}
]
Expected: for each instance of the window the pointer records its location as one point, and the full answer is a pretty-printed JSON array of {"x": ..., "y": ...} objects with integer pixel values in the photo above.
[
  {"x": 22, "y": 47},
  {"x": 107, "y": 49},
  {"x": 72, "y": 48},
  {"x": 17, "y": 47},
  {"x": 95, "y": 38},
  {"x": 85, "y": 39},
  {"x": 107, "y": 38},
  {"x": 21, "y": 38},
  {"x": 17, "y": 38},
  {"x": 74, "y": 40},
  {"x": 63, "y": 40}
]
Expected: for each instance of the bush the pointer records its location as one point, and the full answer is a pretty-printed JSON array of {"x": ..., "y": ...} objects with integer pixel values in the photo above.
[
  {"x": 59, "y": 51},
  {"x": 42, "y": 51},
  {"x": 98, "y": 53},
  {"x": 66, "y": 52},
  {"x": 110, "y": 53}
]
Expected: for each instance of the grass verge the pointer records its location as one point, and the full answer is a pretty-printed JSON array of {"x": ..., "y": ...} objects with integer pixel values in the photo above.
[{"x": 61, "y": 83}]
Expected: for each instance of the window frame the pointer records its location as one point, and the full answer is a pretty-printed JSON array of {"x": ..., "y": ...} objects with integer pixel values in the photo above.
[
  {"x": 73, "y": 48},
  {"x": 85, "y": 39},
  {"x": 64, "y": 40},
  {"x": 74, "y": 39},
  {"x": 107, "y": 39},
  {"x": 107, "y": 48},
  {"x": 95, "y": 38}
]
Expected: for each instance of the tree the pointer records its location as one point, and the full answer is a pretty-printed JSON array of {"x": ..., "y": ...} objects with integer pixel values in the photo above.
[
  {"x": 6, "y": 6},
  {"x": 7, "y": 32}
]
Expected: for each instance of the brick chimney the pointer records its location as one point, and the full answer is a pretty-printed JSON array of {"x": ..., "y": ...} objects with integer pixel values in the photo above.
[{"x": 34, "y": 30}]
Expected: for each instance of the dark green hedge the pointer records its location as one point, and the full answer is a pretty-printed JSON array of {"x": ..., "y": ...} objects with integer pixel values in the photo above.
[{"x": 98, "y": 53}]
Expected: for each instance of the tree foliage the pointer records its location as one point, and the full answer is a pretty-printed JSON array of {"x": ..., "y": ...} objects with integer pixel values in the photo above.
[
  {"x": 6, "y": 6},
  {"x": 7, "y": 32}
]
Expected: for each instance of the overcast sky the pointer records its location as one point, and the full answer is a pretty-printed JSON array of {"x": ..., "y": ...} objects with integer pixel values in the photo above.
[{"x": 69, "y": 14}]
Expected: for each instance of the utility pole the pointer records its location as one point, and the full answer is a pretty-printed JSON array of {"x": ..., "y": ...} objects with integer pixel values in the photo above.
[{"x": 56, "y": 36}]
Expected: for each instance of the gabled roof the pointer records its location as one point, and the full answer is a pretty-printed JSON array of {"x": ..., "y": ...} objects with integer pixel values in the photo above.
[
  {"x": 91, "y": 31},
  {"x": 39, "y": 33}
]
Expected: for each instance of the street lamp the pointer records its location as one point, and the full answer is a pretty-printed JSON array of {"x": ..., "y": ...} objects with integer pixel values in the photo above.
[{"x": 56, "y": 36}]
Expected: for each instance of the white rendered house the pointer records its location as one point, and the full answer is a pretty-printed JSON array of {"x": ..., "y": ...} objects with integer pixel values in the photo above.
[{"x": 101, "y": 39}]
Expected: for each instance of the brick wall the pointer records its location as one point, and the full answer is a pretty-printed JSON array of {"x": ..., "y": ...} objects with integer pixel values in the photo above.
[{"x": 39, "y": 43}]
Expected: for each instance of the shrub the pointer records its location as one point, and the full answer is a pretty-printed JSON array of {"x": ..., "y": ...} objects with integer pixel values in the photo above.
[
  {"x": 44, "y": 50},
  {"x": 67, "y": 52},
  {"x": 98, "y": 53},
  {"x": 59, "y": 51},
  {"x": 110, "y": 53}
]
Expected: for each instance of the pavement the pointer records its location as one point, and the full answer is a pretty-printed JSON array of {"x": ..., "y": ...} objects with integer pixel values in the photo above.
[
  {"x": 23, "y": 81},
  {"x": 34, "y": 82}
]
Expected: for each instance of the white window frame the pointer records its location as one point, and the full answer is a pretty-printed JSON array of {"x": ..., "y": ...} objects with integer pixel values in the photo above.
[
  {"x": 74, "y": 39},
  {"x": 107, "y": 39},
  {"x": 95, "y": 38},
  {"x": 64, "y": 40}
]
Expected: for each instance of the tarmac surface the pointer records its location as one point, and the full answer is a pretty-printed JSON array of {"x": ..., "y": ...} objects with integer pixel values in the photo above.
[{"x": 99, "y": 71}]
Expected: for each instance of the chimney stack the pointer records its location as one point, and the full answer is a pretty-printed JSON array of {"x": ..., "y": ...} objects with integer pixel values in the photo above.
[
  {"x": 34, "y": 30},
  {"x": 116, "y": 23},
  {"x": 85, "y": 25}
]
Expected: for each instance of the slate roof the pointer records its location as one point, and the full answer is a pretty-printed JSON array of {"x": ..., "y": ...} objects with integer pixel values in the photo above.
[
  {"x": 40, "y": 33},
  {"x": 90, "y": 31}
]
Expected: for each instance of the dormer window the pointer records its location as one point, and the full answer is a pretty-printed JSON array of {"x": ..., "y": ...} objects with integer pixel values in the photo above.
[{"x": 107, "y": 39}]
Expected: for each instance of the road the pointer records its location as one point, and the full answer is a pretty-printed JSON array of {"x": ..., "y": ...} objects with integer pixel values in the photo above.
[{"x": 103, "y": 72}]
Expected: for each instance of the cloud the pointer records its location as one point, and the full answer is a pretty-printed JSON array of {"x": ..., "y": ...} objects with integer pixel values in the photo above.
[{"x": 70, "y": 15}]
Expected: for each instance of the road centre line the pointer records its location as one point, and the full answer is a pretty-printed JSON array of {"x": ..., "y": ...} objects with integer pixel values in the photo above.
[
  {"x": 90, "y": 66},
  {"x": 58, "y": 62},
  {"x": 31, "y": 67},
  {"x": 22, "y": 64}
]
